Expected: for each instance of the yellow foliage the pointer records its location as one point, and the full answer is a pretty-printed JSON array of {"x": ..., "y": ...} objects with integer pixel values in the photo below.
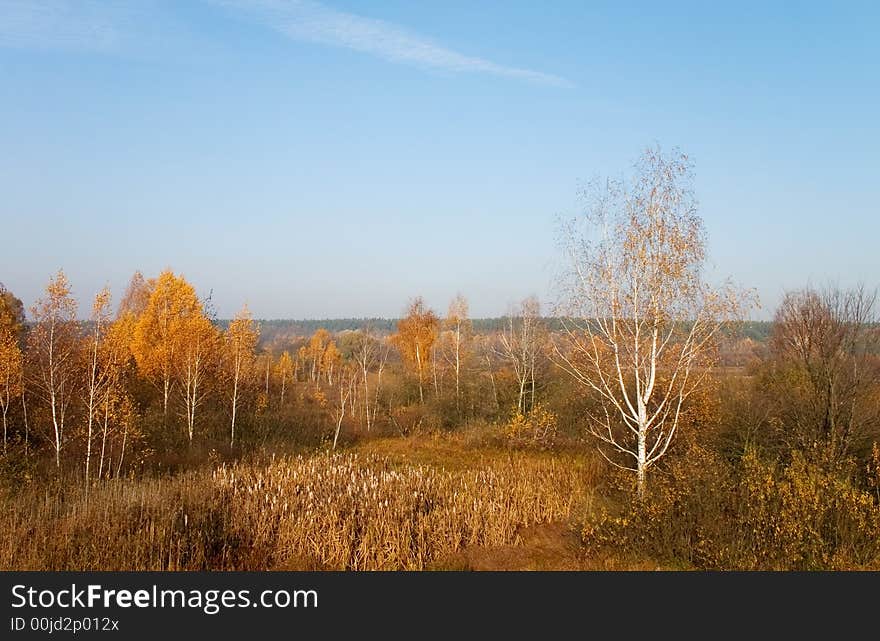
[
  {"x": 164, "y": 328},
  {"x": 537, "y": 428}
]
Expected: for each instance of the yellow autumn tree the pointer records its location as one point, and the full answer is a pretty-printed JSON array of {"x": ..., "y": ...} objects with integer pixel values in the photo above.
[
  {"x": 330, "y": 361},
  {"x": 136, "y": 297},
  {"x": 11, "y": 313},
  {"x": 53, "y": 344},
  {"x": 315, "y": 353},
  {"x": 416, "y": 334},
  {"x": 11, "y": 361},
  {"x": 116, "y": 408},
  {"x": 162, "y": 329},
  {"x": 240, "y": 358},
  {"x": 284, "y": 371},
  {"x": 11, "y": 355}
]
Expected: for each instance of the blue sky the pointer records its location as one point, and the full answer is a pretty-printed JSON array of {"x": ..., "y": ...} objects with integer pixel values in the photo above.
[{"x": 335, "y": 159}]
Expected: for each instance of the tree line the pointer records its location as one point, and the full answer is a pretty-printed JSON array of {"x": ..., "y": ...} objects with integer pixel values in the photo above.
[{"x": 625, "y": 356}]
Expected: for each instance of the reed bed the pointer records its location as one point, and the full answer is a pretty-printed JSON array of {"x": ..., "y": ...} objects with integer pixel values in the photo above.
[{"x": 327, "y": 511}]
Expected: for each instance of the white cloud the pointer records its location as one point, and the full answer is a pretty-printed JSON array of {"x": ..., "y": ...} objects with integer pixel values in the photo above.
[
  {"x": 59, "y": 24},
  {"x": 312, "y": 22},
  {"x": 107, "y": 26}
]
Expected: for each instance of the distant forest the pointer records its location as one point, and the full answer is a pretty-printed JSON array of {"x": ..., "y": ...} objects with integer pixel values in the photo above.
[{"x": 278, "y": 330}]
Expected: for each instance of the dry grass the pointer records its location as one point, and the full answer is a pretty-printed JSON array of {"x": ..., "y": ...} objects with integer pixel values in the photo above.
[{"x": 342, "y": 511}]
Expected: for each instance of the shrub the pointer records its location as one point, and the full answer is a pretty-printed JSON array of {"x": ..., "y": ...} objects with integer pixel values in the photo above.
[
  {"x": 748, "y": 515},
  {"x": 538, "y": 428}
]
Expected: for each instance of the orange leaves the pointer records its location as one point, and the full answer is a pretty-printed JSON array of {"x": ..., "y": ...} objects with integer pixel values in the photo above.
[
  {"x": 284, "y": 366},
  {"x": 416, "y": 333},
  {"x": 11, "y": 312},
  {"x": 164, "y": 328},
  {"x": 11, "y": 360},
  {"x": 242, "y": 336},
  {"x": 321, "y": 355}
]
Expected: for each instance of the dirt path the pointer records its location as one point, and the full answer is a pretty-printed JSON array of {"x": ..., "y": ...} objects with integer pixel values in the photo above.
[{"x": 552, "y": 546}]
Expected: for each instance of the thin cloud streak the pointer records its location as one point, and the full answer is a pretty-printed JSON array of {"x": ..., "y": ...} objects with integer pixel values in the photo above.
[
  {"x": 312, "y": 22},
  {"x": 101, "y": 26},
  {"x": 60, "y": 24}
]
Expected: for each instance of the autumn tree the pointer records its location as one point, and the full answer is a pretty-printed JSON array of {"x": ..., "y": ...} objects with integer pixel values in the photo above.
[
  {"x": 52, "y": 344},
  {"x": 416, "y": 335},
  {"x": 284, "y": 371},
  {"x": 269, "y": 360},
  {"x": 11, "y": 314},
  {"x": 11, "y": 363},
  {"x": 199, "y": 343},
  {"x": 240, "y": 347},
  {"x": 458, "y": 334},
  {"x": 11, "y": 356},
  {"x": 346, "y": 393},
  {"x": 640, "y": 318},
  {"x": 825, "y": 369},
  {"x": 521, "y": 343},
  {"x": 117, "y": 408},
  {"x": 370, "y": 354},
  {"x": 330, "y": 361},
  {"x": 163, "y": 329},
  {"x": 136, "y": 297},
  {"x": 488, "y": 347},
  {"x": 314, "y": 353},
  {"x": 98, "y": 374}
]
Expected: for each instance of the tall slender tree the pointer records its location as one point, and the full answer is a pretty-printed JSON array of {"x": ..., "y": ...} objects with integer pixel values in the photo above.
[
  {"x": 52, "y": 344},
  {"x": 97, "y": 375},
  {"x": 521, "y": 347},
  {"x": 197, "y": 354},
  {"x": 458, "y": 334},
  {"x": 240, "y": 346},
  {"x": 284, "y": 372},
  {"x": 11, "y": 363}
]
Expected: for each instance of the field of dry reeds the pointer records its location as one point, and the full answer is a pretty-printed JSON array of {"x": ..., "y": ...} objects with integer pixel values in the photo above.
[{"x": 325, "y": 511}]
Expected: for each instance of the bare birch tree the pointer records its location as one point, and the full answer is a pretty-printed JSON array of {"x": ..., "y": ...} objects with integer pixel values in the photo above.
[
  {"x": 347, "y": 387},
  {"x": 200, "y": 344},
  {"x": 521, "y": 347},
  {"x": 458, "y": 334},
  {"x": 827, "y": 341},
  {"x": 241, "y": 345},
  {"x": 98, "y": 375},
  {"x": 366, "y": 353},
  {"x": 640, "y": 319}
]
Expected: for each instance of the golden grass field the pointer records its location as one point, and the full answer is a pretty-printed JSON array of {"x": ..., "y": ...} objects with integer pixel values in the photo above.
[{"x": 390, "y": 504}]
